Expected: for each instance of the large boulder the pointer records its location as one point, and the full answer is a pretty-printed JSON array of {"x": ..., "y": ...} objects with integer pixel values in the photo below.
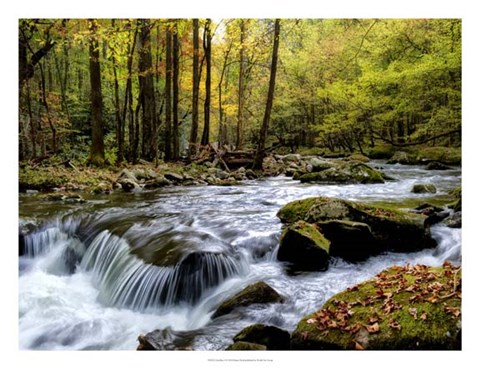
[
  {"x": 257, "y": 293},
  {"x": 302, "y": 245},
  {"x": 401, "y": 157},
  {"x": 246, "y": 346},
  {"x": 345, "y": 172},
  {"x": 392, "y": 230},
  {"x": 423, "y": 188},
  {"x": 402, "y": 308},
  {"x": 435, "y": 165},
  {"x": 318, "y": 164},
  {"x": 352, "y": 241},
  {"x": 270, "y": 336}
]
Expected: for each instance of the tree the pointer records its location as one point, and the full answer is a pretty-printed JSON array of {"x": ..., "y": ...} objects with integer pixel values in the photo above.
[
  {"x": 168, "y": 94},
  {"x": 195, "y": 89},
  {"x": 97, "y": 151},
  {"x": 260, "y": 152},
  {"x": 176, "y": 91},
  {"x": 207, "y": 47},
  {"x": 241, "y": 87},
  {"x": 147, "y": 93}
]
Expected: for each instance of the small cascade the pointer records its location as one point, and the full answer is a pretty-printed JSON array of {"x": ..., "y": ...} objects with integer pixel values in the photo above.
[{"x": 125, "y": 280}]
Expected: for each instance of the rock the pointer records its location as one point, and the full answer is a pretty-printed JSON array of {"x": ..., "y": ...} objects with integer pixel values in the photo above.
[
  {"x": 221, "y": 174},
  {"x": 318, "y": 164},
  {"x": 435, "y": 165},
  {"x": 251, "y": 174},
  {"x": 257, "y": 293},
  {"x": 244, "y": 346},
  {"x": 393, "y": 230},
  {"x": 125, "y": 173},
  {"x": 32, "y": 192},
  {"x": 291, "y": 157},
  {"x": 174, "y": 177},
  {"x": 359, "y": 157},
  {"x": 423, "y": 188},
  {"x": 454, "y": 221},
  {"x": 65, "y": 197},
  {"x": 102, "y": 187},
  {"x": 289, "y": 172},
  {"x": 159, "y": 181},
  {"x": 345, "y": 172},
  {"x": 128, "y": 185},
  {"x": 145, "y": 174},
  {"x": 165, "y": 339},
  {"x": 401, "y": 157},
  {"x": 302, "y": 245},
  {"x": 352, "y": 241},
  {"x": 270, "y": 336},
  {"x": 402, "y": 308}
]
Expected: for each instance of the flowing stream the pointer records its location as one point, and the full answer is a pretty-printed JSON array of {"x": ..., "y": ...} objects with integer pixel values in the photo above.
[{"x": 84, "y": 285}]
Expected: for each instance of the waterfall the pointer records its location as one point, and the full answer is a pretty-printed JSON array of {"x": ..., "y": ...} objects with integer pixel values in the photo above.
[{"x": 125, "y": 280}]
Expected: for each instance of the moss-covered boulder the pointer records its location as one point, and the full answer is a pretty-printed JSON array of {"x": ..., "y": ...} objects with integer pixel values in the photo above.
[
  {"x": 351, "y": 171},
  {"x": 302, "y": 245},
  {"x": 268, "y": 335},
  {"x": 257, "y": 293},
  {"x": 402, "y": 308},
  {"x": 359, "y": 157},
  {"x": 444, "y": 155},
  {"x": 246, "y": 346},
  {"x": 352, "y": 241},
  {"x": 401, "y": 157},
  {"x": 424, "y": 188},
  {"x": 392, "y": 230},
  {"x": 435, "y": 165}
]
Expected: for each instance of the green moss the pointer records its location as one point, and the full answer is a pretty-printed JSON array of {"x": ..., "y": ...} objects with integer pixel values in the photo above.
[
  {"x": 244, "y": 346},
  {"x": 296, "y": 210},
  {"x": 445, "y": 155},
  {"x": 413, "y": 307},
  {"x": 456, "y": 192},
  {"x": 311, "y": 232},
  {"x": 381, "y": 151}
]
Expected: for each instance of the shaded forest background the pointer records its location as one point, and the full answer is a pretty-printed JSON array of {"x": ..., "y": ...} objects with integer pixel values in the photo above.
[{"x": 107, "y": 91}]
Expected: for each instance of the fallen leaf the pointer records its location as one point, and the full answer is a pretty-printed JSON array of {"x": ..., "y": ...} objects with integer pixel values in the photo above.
[
  {"x": 413, "y": 312},
  {"x": 374, "y": 328},
  {"x": 311, "y": 321},
  {"x": 373, "y": 319},
  {"x": 452, "y": 311},
  {"x": 358, "y": 346},
  {"x": 394, "y": 325},
  {"x": 423, "y": 316},
  {"x": 352, "y": 289}
]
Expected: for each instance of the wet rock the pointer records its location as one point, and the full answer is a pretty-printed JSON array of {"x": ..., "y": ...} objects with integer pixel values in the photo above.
[
  {"x": 359, "y": 157},
  {"x": 257, "y": 293},
  {"x": 65, "y": 197},
  {"x": 393, "y": 230},
  {"x": 454, "y": 221},
  {"x": 102, "y": 187},
  {"x": 423, "y": 188},
  {"x": 125, "y": 173},
  {"x": 345, "y": 172},
  {"x": 352, "y": 241},
  {"x": 244, "y": 346},
  {"x": 382, "y": 313},
  {"x": 435, "y": 165},
  {"x": 271, "y": 337},
  {"x": 291, "y": 157},
  {"x": 165, "y": 339},
  {"x": 159, "y": 181},
  {"x": 174, "y": 177},
  {"x": 317, "y": 165},
  {"x": 128, "y": 185},
  {"x": 251, "y": 174},
  {"x": 221, "y": 174},
  {"x": 401, "y": 157},
  {"x": 302, "y": 245}
]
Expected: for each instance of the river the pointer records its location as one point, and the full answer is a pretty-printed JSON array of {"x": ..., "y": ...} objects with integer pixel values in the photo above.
[{"x": 80, "y": 288}]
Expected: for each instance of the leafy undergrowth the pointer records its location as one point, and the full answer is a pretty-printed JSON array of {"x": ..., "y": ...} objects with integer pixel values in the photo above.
[{"x": 410, "y": 307}]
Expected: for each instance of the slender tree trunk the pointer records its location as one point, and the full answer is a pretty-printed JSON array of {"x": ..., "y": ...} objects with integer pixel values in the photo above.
[
  {"x": 97, "y": 151},
  {"x": 147, "y": 93},
  {"x": 260, "y": 153},
  {"x": 176, "y": 75},
  {"x": 128, "y": 105},
  {"x": 207, "y": 47},
  {"x": 168, "y": 95},
  {"x": 241, "y": 87},
  {"x": 33, "y": 132},
  {"x": 222, "y": 134},
  {"x": 195, "y": 90},
  {"x": 118, "y": 117},
  {"x": 47, "y": 110}
]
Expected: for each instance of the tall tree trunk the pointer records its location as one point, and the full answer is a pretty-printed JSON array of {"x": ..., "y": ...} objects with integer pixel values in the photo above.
[
  {"x": 97, "y": 151},
  {"x": 47, "y": 109},
  {"x": 241, "y": 87},
  {"x": 33, "y": 132},
  {"x": 176, "y": 75},
  {"x": 260, "y": 153},
  {"x": 222, "y": 129},
  {"x": 118, "y": 117},
  {"x": 168, "y": 95},
  {"x": 147, "y": 92},
  {"x": 195, "y": 90},
  {"x": 128, "y": 105},
  {"x": 207, "y": 47}
]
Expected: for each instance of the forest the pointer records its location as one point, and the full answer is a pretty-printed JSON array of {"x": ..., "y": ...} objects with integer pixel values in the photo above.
[
  {"x": 107, "y": 91},
  {"x": 240, "y": 184}
]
